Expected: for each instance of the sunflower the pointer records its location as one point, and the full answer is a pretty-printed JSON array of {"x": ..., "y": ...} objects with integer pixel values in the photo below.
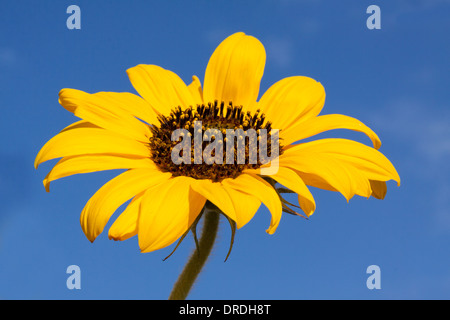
[{"x": 127, "y": 131}]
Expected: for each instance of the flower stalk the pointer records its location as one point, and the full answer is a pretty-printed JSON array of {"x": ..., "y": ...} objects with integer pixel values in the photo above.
[{"x": 199, "y": 256}]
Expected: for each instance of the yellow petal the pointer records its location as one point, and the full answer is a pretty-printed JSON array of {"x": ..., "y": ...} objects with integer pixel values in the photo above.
[
  {"x": 162, "y": 88},
  {"x": 216, "y": 194},
  {"x": 113, "y": 194},
  {"x": 313, "y": 126},
  {"x": 196, "y": 90},
  {"x": 379, "y": 189},
  {"x": 291, "y": 100},
  {"x": 167, "y": 212},
  {"x": 68, "y": 166},
  {"x": 103, "y": 110},
  {"x": 126, "y": 223},
  {"x": 80, "y": 124},
  {"x": 235, "y": 70},
  {"x": 132, "y": 104},
  {"x": 360, "y": 182},
  {"x": 81, "y": 141},
  {"x": 345, "y": 165},
  {"x": 263, "y": 191},
  {"x": 368, "y": 160},
  {"x": 331, "y": 171},
  {"x": 314, "y": 180},
  {"x": 291, "y": 180},
  {"x": 245, "y": 205}
]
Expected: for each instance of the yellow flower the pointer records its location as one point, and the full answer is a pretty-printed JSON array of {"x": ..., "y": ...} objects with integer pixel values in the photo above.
[{"x": 125, "y": 131}]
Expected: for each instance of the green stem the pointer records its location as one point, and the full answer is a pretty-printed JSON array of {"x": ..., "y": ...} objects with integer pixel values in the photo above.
[{"x": 198, "y": 258}]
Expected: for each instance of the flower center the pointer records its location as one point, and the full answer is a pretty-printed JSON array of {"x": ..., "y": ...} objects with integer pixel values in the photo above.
[{"x": 217, "y": 141}]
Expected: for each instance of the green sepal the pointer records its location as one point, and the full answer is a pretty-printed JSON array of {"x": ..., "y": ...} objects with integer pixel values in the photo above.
[
  {"x": 192, "y": 228},
  {"x": 284, "y": 202},
  {"x": 233, "y": 233},
  {"x": 284, "y": 190},
  {"x": 232, "y": 223}
]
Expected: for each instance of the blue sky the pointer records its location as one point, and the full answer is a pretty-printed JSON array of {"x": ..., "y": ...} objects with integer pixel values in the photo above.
[{"x": 394, "y": 79}]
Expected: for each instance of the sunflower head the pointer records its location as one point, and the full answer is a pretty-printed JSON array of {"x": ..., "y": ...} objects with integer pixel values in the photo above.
[
  {"x": 144, "y": 134},
  {"x": 210, "y": 128}
]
